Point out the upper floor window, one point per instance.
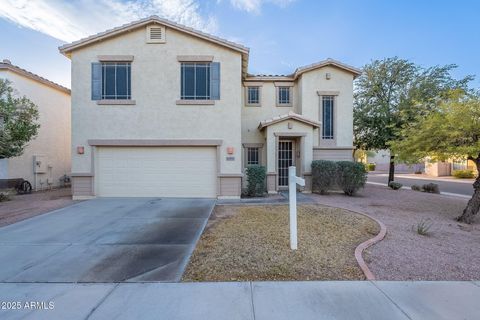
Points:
(111, 81)
(284, 96)
(253, 156)
(327, 117)
(253, 95)
(116, 83)
(195, 83)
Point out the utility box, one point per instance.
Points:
(40, 164)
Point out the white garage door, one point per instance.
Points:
(156, 172)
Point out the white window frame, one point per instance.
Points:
(128, 96)
(207, 85)
(284, 86)
(328, 142)
(332, 123)
(247, 147)
(253, 151)
(247, 96)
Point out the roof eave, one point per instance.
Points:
(329, 62)
(34, 77)
(66, 49)
(261, 126)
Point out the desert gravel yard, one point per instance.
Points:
(450, 252)
(252, 243)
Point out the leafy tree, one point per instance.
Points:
(18, 121)
(452, 131)
(394, 92)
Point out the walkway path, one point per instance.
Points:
(247, 300)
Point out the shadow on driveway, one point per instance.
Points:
(105, 240)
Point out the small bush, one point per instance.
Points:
(423, 227)
(351, 176)
(324, 175)
(256, 180)
(395, 185)
(416, 188)
(463, 174)
(431, 188)
(4, 196)
(371, 166)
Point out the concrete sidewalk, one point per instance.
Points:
(244, 300)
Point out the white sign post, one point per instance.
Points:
(293, 180)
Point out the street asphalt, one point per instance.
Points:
(450, 185)
(105, 240)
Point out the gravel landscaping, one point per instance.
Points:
(251, 242)
(450, 252)
(22, 207)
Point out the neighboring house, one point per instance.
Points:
(160, 109)
(447, 168)
(381, 158)
(46, 159)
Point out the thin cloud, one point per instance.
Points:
(73, 20)
(255, 6)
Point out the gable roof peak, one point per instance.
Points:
(290, 115)
(327, 62)
(66, 49)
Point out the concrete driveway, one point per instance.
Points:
(105, 240)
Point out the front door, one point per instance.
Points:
(285, 159)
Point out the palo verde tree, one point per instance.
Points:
(452, 131)
(394, 92)
(18, 121)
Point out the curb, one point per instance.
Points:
(448, 194)
(364, 245)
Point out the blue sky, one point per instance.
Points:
(281, 34)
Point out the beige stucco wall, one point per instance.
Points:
(341, 81)
(306, 144)
(379, 157)
(156, 88)
(53, 140)
(438, 169)
(251, 116)
(306, 102)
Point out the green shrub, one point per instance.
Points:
(371, 166)
(4, 196)
(256, 180)
(351, 176)
(324, 176)
(423, 227)
(416, 188)
(395, 185)
(463, 174)
(431, 188)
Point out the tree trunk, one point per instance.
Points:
(391, 171)
(473, 205)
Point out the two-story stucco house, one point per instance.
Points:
(160, 109)
(46, 159)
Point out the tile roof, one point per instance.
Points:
(290, 115)
(66, 48)
(7, 65)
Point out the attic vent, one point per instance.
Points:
(156, 34)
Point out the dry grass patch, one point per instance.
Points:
(252, 243)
